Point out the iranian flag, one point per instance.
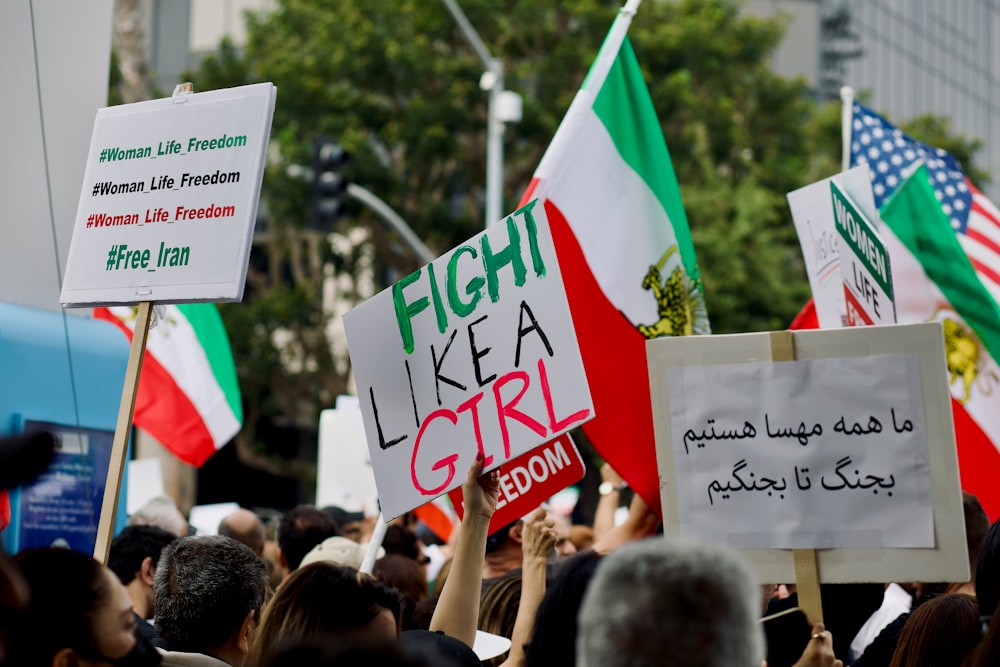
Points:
(624, 248)
(934, 280)
(188, 397)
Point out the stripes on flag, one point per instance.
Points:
(892, 155)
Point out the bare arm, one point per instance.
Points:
(458, 609)
(539, 541)
(641, 522)
(607, 504)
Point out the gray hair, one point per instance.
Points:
(204, 588)
(161, 512)
(666, 601)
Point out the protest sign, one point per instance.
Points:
(864, 264)
(344, 475)
(169, 199)
(847, 450)
(531, 479)
(812, 212)
(474, 353)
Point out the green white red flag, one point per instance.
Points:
(188, 396)
(624, 248)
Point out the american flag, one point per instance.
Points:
(892, 155)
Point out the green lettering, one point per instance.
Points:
(473, 288)
(493, 262)
(442, 317)
(405, 311)
(537, 263)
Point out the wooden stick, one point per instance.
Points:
(806, 566)
(123, 429)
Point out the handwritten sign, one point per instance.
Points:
(531, 479)
(169, 199)
(848, 450)
(864, 264)
(475, 352)
(812, 213)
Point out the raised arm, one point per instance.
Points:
(539, 537)
(458, 609)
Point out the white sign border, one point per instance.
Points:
(948, 561)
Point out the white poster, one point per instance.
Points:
(473, 353)
(814, 454)
(848, 450)
(812, 212)
(169, 199)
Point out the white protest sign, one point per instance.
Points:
(812, 213)
(169, 199)
(476, 352)
(864, 264)
(344, 469)
(848, 450)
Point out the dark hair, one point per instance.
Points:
(321, 599)
(498, 609)
(133, 545)
(402, 541)
(203, 590)
(337, 652)
(553, 637)
(67, 588)
(300, 530)
(976, 525)
(402, 573)
(941, 632)
(988, 570)
(987, 654)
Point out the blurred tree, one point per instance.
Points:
(398, 87)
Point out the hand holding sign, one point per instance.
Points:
(480, 491)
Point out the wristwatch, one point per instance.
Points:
(607, 488)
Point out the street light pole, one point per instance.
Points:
(503, 106)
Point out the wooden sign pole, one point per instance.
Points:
(806, 566)
(123, 429)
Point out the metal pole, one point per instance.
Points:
(393, 219)
(495, 126)
(494, 149)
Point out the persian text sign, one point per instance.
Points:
(864, 264)
(475, 352)
(169, 199)
(818, 453)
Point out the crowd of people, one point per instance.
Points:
(537, 592)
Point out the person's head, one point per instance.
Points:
(321, 599)
(339, 551)
(133, 557)
(988, 570)
(404, 574)
(553, 637)
(403, 541)
(84, 610)
(300, 530)
(564, 543)
(941, 632)
(161, 512)
(349, 524)
(245, 527)
(498, 609)
(695, 602)
(208, 592)
(976, 525)
(504, 552)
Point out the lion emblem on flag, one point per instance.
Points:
(679, 302)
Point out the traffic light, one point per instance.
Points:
(329, 185)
